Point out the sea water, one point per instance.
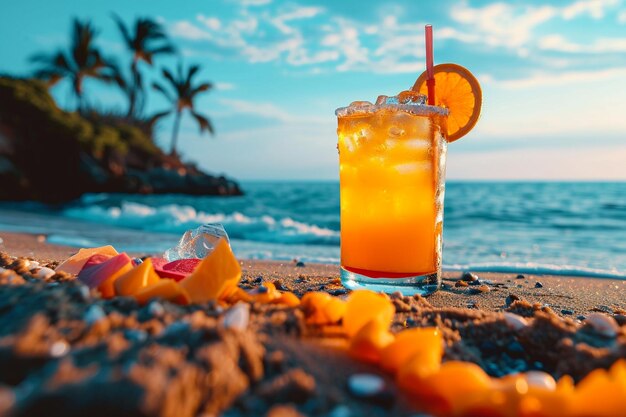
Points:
(538, 227)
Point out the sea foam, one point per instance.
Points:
(173, 218)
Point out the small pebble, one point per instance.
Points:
(84, 292)
(581, 317)
(178, 326)
(41, 238)
(258, 280)
(237, 317)
(520, 276)
(620, 319)
(135, 335)
(340, 291)
(602, 324)
(460, 284)
(44, 273)
(137, 261)
(365, 385)
(510, 299)
(94, 314)
(156, 309)
(538, 284)
(59, 348)
(468, 276)
(540, 379)
(514, 321)
(32, 265)
(340, 411)
(484, 288)
(567, 312)
(300, 264)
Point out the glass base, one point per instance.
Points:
(421, 284)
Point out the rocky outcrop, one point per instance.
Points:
(53, 156)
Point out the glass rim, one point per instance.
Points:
(415, 109)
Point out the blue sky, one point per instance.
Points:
(553, 76)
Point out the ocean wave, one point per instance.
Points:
(174, 218)
(538, 269)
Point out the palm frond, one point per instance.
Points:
(157, 116)
(123, 30)
(161, 89)
(202, 87)
(169, 77)
(203, 122)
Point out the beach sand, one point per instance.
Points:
(574, 295)
(152, 360)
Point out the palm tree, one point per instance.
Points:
(184, 93)
(82, 60)
(146, 40)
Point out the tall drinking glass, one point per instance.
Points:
(392, 159)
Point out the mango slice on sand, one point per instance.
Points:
(408, 343)
(414, 372)
(234, 295)
(219, 271)
(176, 270)
(322, 308)
(601, 393)
(166, 289)
(455, 380)
(103, 275)
(75, 263)
(363, 306)
(370, 340)
(289, 299)
(137, 278)
(266, 293)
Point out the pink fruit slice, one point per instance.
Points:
(96, 260)
(176, 270)
(103, 275)
(75, 263)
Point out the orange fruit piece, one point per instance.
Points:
(137, 278)
(370, 340)
(322, 308)
(454, 383)
(601, 393)
(235, 294)
(363, 306)
(269, 295)
(289, 299)
(218, 272)
(407, 344)
(166, 289)
(457, 90)
(75, 263)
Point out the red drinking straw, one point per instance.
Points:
(430, 72)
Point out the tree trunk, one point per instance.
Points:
(175, 132)
(132, 96)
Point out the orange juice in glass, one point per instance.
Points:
(392, 159)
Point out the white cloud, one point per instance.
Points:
(187, 30)
(223, 86)
(594, 8)
(599, 46)
(502, 24)
(254, 2)
(561, 78)
(266, 110)
(621, 17)
(212, 23)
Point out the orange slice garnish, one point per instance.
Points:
(457, 90)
